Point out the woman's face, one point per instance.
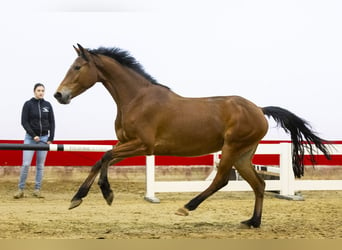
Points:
(39, 92)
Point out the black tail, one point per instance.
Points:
(302, 137)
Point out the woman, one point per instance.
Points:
(38, 120)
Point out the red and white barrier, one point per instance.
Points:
(287, 185)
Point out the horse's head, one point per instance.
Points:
(81, 76)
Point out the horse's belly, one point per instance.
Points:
(188, 146)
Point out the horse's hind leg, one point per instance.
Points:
(246, 169)
(85, 187)
(221, 179)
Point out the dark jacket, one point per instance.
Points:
(38, 119)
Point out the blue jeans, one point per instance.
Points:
(27, 159)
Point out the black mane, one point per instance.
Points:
(126, 59)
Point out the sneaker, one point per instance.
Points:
(37, 193)
(19, 194)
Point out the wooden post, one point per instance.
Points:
(287, 178)
(150, 180)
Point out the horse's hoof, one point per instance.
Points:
(182, 211)
(75, 203)
(109, 199)
(248, 224)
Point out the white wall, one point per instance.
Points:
(279, 53)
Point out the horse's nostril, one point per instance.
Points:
(58, 95)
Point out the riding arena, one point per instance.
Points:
(182, 168)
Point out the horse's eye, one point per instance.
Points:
(77, 67)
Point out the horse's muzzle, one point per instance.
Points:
(63, 99)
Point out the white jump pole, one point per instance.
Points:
(57, 147)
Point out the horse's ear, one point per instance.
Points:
(82, 52)
(77, 50)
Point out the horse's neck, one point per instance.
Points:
(121, 82)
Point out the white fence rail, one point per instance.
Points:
(287, 184)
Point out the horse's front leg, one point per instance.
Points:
(107, 192)
(85, 187)
(120, 152)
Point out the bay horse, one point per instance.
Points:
(153, 120)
